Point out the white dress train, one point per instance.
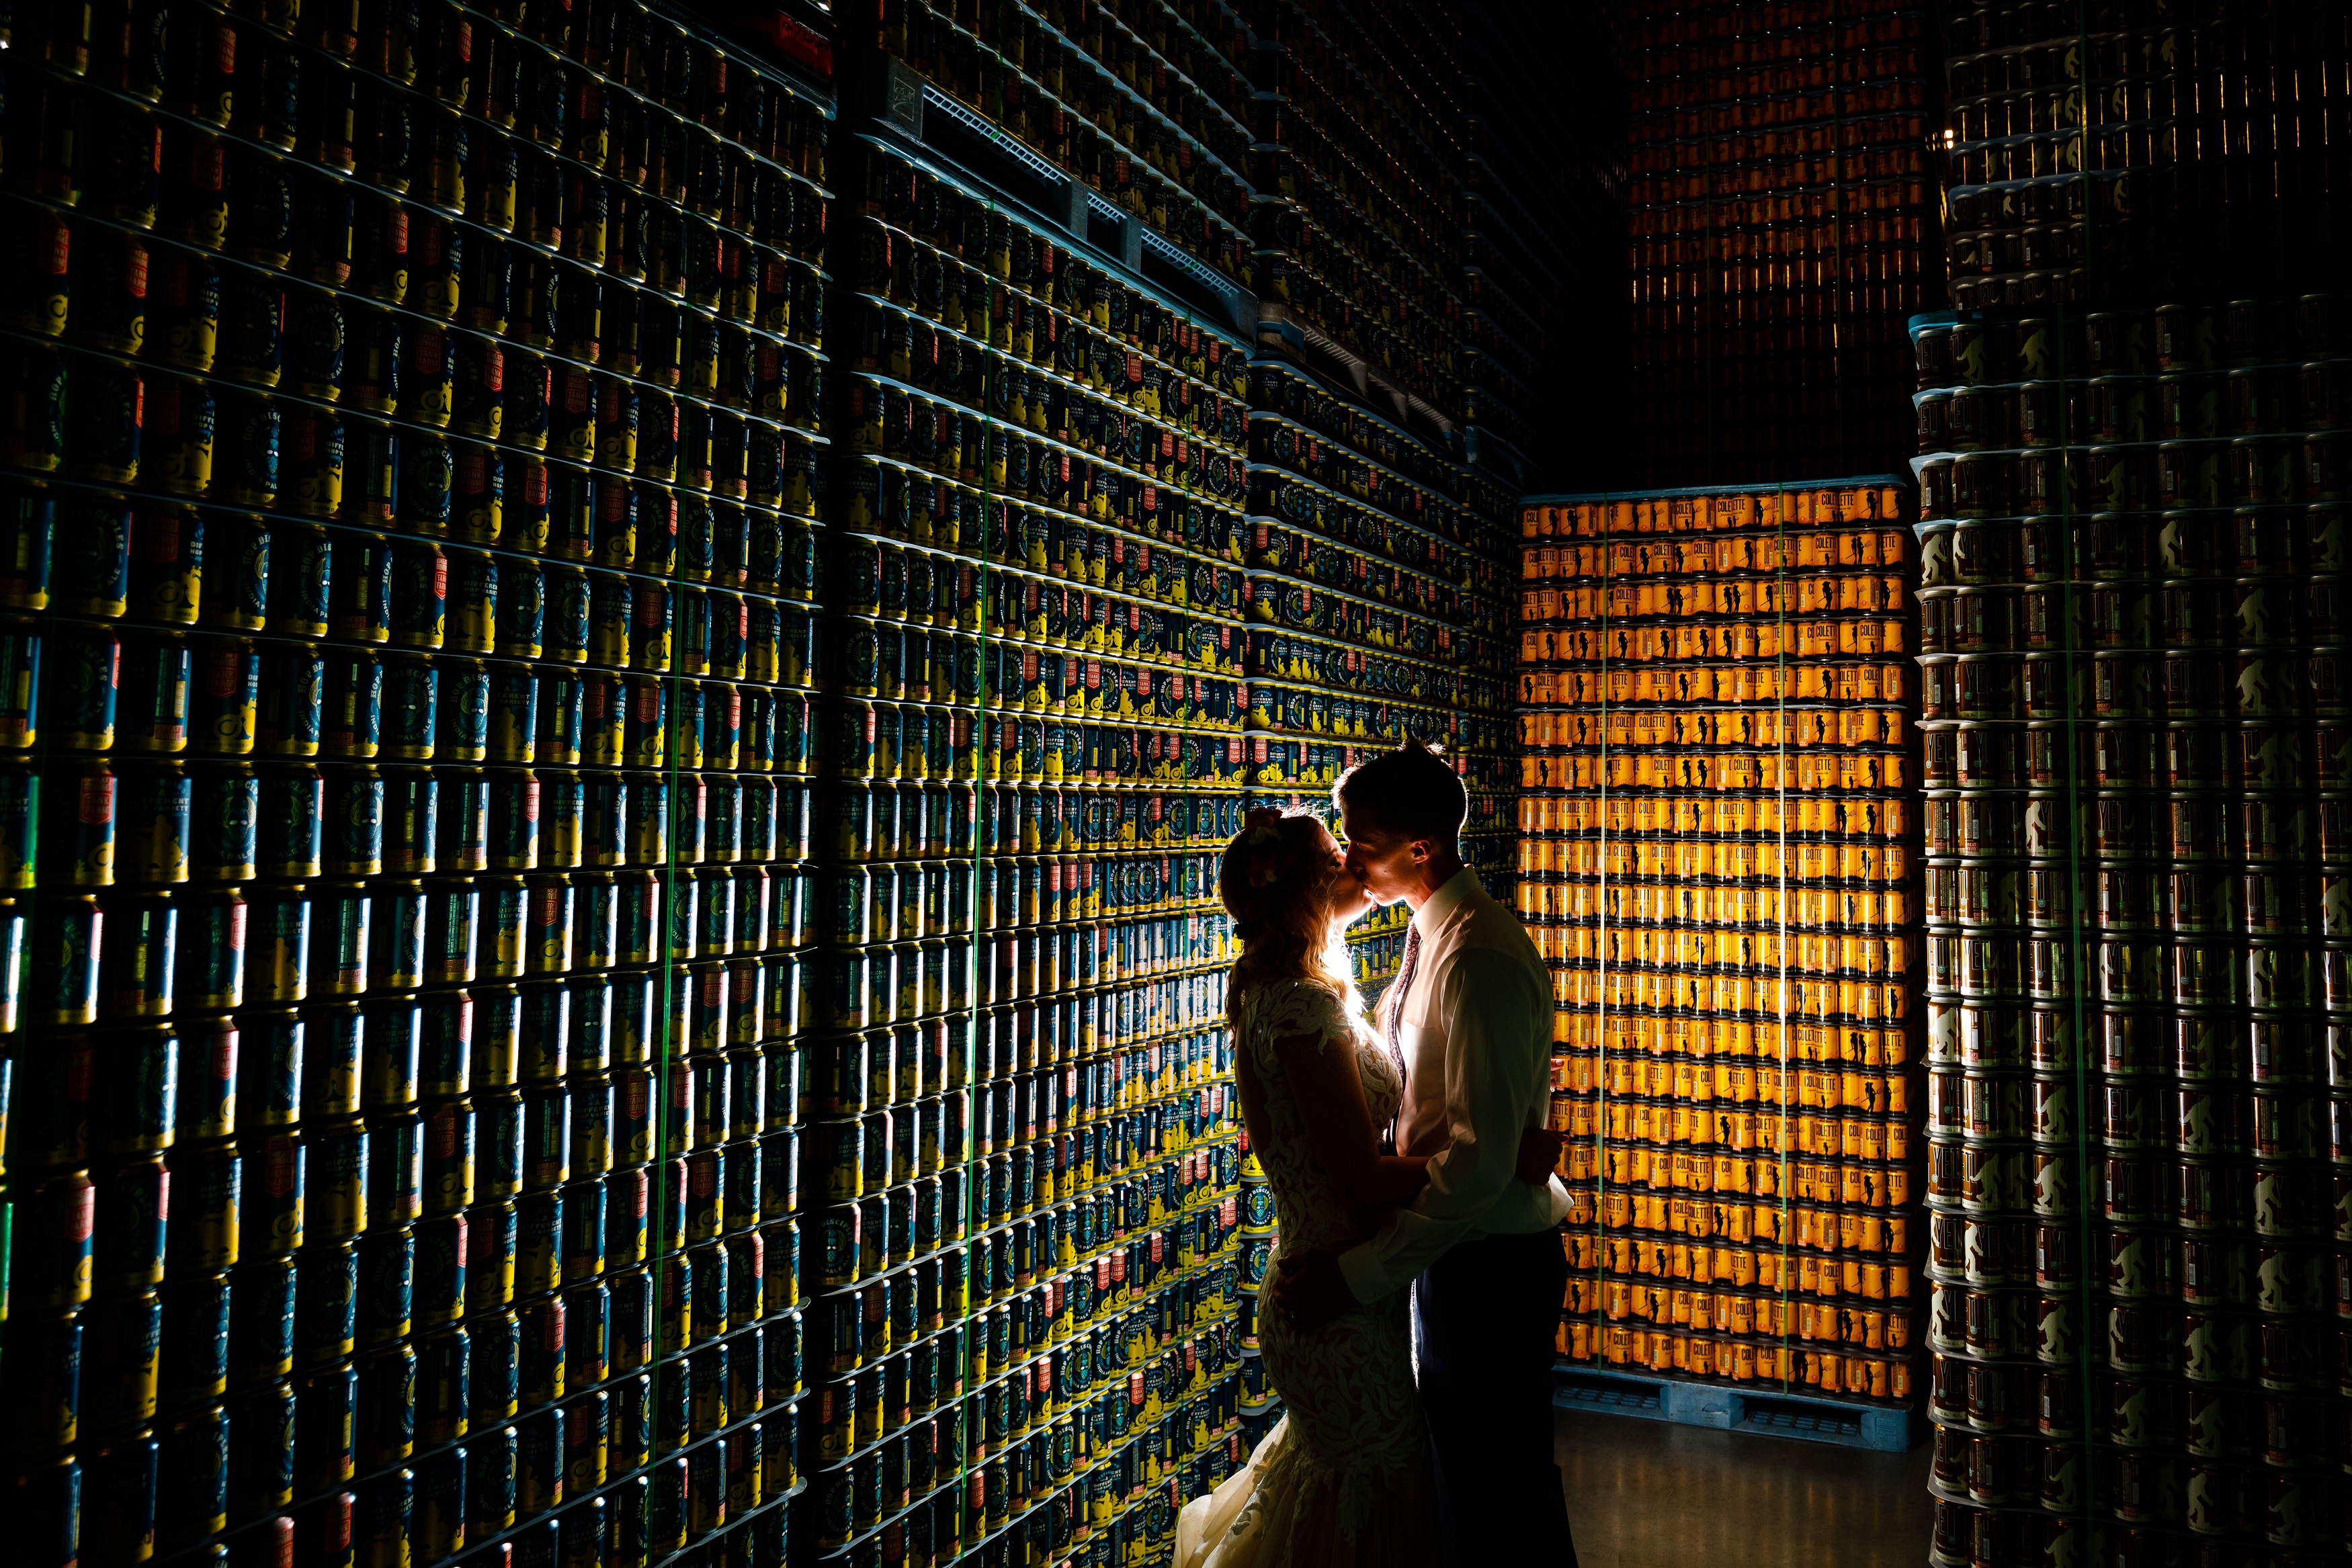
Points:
(1343, 1478)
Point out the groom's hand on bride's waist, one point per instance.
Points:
(1309, 1291)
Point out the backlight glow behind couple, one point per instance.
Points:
(1409, 1320)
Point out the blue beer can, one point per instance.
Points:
(140, 942)
(20, 686)
(395, 1176)
(223, 819)
(571, 618)
(290, 827)
(193, 1357)
(151, 837)
(237, 587)
(341, 919)
(210, 964)
(91, 557)
(202, 1233)
(445, 1052)
(132, 1210)
(563, 818)
(246, 444)
(120, 1370)
(452, 913)
(464, 717)
(519, 612)
(271, 1211)
(355, 809)
(512, 731)
(442, 1258)
(359, 597)
(396, 937)
(387, 1285)
(334, 1045)
(292, 708)
(392, 1049)
(208, 1051)
(86, 670)
(337, 1162)
(387, 1427)
(351, 706)
(503, 901)
(277, 954)
(193, 1466)
(66, 942)
(499, 1144)
(471, 606)
(301, 582)
(27, 524)
(411, 823)
(411, 694)
(514, 820)
(224, 697)
(151, 707)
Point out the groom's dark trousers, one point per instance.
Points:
(1489, 1315)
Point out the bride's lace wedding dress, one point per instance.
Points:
(1344, 1477)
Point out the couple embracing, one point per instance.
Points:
(1411, 1177)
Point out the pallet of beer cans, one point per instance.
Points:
(1357, 233)
(411, 417)
(1717, 818)
(1148, 108)
(1782, 225)
(2138, 744)
(1027, 1299)
(2137, 154)
(1543, 176)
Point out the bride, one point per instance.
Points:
(1345, 1478)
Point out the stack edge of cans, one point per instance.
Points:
(1717, 861)
(1028, 1232)
(2138, 766)
(409, 435)
(1780, 228)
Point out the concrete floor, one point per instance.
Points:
(1649, 1494)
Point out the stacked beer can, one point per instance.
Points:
(410, 420)
(1782, 225)
(1026, 1286)
(1717, 813)
(2134, 713)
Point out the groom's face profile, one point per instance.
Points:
(1382, 860)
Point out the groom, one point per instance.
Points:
(1469, 1019)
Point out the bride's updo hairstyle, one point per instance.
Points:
(1276, 881)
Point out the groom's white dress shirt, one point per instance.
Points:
(1476, 1036)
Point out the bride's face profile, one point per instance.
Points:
(1346, 897)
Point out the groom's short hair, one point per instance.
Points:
(1411, 790)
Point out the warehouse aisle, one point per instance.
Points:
(1647, 1494)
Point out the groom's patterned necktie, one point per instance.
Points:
(1396, 1022)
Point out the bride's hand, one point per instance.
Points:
(1538, 1155)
